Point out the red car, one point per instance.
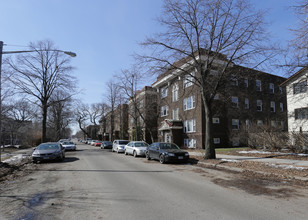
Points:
(97, 143)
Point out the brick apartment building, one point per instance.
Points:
(142, 115)
(253, 98)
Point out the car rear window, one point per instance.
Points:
(141, 145)
(48, 146)
(123, 142)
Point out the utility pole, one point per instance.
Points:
(1, 49)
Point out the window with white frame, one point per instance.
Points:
(233, 80)
(234, 102)
(271, 88)
(282, 124)
(164, 111)
(273, 123)
(258, 85)
(164, 92)
(273, 108)
(280, 89)
(190, 126)
(281, 106)
(235, 124)
(189, 103)
(259, 105)
(246, 103)
(215, 120)
(175, 114)
(216, 140)
(190, 143)
(188, 80)
(246, 82)
(175, 92)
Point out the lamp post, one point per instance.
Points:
(72, 54)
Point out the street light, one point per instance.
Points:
(72, 54)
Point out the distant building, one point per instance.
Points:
(143, 115)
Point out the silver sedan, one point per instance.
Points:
(136, 148)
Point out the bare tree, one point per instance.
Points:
(113, 98)
(61, 115)
(89, 115)
(40, 73)
(205, 36)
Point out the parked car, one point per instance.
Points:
(118, 145)
(97, 143)
(88, 140)
(166, 152)
(69, 145)
(62, 140)
(92, 142)
(48, 151)
(136, 148)
(106, 145)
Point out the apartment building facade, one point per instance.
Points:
(142, 115)
(251, 98)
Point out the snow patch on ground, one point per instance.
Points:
(268, 152)
(15, 159)
(229, 160)
(286, 166)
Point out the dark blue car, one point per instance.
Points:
(166, 152)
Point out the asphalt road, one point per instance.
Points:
(97, 184)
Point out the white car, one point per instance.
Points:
(118, 145)
(69, 145)
(136, 148)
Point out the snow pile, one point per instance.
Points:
(268, 152)
(286, 166)
(15, 159)
(228, 160)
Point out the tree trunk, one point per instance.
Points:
(208, 137)
(44, 122)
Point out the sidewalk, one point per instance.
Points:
(296, 163)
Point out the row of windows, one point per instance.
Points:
(189, 79)
(234, 82)
(235, 104)
(273, 123)
(188, 103)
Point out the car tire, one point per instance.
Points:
(162, 159)
(147, 156)
(34, 161)
(135, 153)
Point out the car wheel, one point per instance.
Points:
(147, 156)
(34, 161)
(162, 159)
(135, 153)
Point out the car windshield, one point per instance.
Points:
(68, 143)
(141, 144)
(107, 142)
(123, 142)
(48, 147)
(168, 146)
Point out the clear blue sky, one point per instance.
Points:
(103, 33)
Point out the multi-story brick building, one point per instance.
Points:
(142, 115)
(251, 98)
(118, 122)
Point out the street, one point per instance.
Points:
(97, 184)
